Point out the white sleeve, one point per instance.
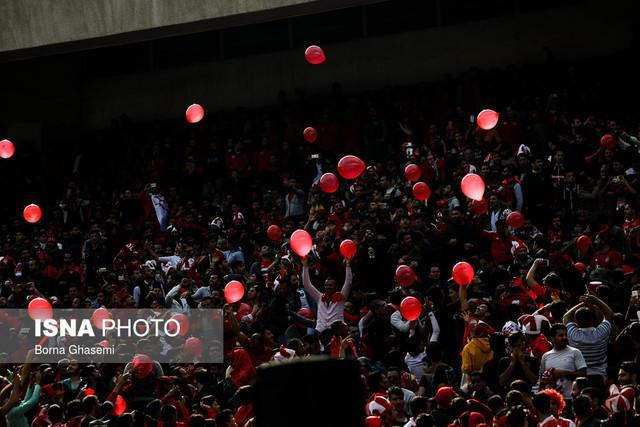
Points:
(398, 322)
(435, 328)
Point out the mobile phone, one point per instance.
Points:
(315, 156)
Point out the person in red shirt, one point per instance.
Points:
(501, 243)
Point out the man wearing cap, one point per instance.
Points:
(442, 415)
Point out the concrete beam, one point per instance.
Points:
(30, 28)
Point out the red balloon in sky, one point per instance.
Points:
(583, 243)
(462, 273)
(6, 149)
(479, 207)
(487, 119)
(183, 322)
(412, 172)
(515, 219)
(193, 346)
(310, 134)
(301, 243)
(405, 276)
(99, 316)
(472, 186)
(234, 291)
(329, 183)
(195, 113)
(274, 232)
(608, 141)
(314, 55)
(421, 191)
(40, 308)
(410, 308)
(348, 248)
(350, 167)
(32, 213)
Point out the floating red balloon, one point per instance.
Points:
(244, 310)
(410, 308)
(462, 273)
(350, 167)
(40, 308)
(487, 119)
(515, 219)
(89, 392)
(99, 316)
(608, 141)
(421, 191)
(583, 243)
(479, 207)
(274, 233)
(142, 365)
(119, 406)
(412, 172)
(182, 326)
(6, 149)
(234, 291)
(193, 346)
(348, 248)
(314, 55)
(32, 213)
(473, 186)
(195, 113)
(405, 276)
(310, 134)
(581, 267)
(301, 243)
(329, 183)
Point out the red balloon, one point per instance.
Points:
(350, 167)
(348, 248)
(89, 392)
(234, 291)
(472, 186)
(405, 276)
(515, 219)
(487, 119)
(99, 316)
(581, 267)
(421, 191)
(32, 213)
(479, 207)
(195, 113)
(274, 233)
(104, 343)
(410, 308)
(373, 421)
(314, 55)
(183, 324)
(462, 273)
(301, 243)
(244, 309)
(120, 405)
(40, 308)
(310, 134)
(583, 243)
(329, 183)
(608, 141)
(142, 365)
(193, 346)
(6, 149)
(412, 172)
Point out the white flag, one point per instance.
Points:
(162, 210)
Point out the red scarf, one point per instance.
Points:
(334, 298)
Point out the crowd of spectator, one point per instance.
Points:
(545, 334)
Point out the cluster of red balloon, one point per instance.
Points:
(301, 243)
(142, 366)
(314, 55)
(329, 183)
(348, 248)
(233, 291)
(183, 324)
(194, 113)
(351, 167)
(99, 316)
(479, 207)
(274, 233)
(421, 191)
(583, 243)
(608, 141)
(410, 308)
(7, 149)
(39, 309)
(412, 172)
(515, 219)
(193, 346)
(310, 134)
(32, 213)
(405, 276)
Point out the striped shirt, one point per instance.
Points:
(592, 343)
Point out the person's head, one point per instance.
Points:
(405, 239)
(55, 414)
(628, 374)
(478, 380)
(330, 286)
(514, 398)
(584, 317)
(434, 272)
(559, 336)
(396, 397)
(90, 404)
(168, 414)
(517, 417)
(225, 419)
(579, 384)
(595, 395)
(419, 405)
(444, 397)
(378, 382)
(582, 407)
(542, 404)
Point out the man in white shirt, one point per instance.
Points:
(562, 364)
(330, 303)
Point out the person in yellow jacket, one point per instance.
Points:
(477, 352)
